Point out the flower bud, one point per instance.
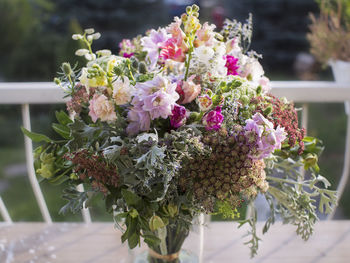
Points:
(90, 56)
(268, 110)
(104, 52)
(188, 9)
(66, 68)
(89, 31)
(77, 36)
(90, 38)
(142, 68)
(81, 52)
(57, 81)
(195, 8)
(96, 36)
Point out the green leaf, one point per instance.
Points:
(36, 137)
(131, 198)
(133, 240)
(63, 118)
(151, 240)
(57, 180)
(62, 130)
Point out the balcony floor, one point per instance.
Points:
(99, 242)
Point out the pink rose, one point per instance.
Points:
(101, 107)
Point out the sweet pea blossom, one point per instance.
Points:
(204, 102)
(122, 91)
(152, 43)
(100, 107)
(267, 138)
(179, 116)
(213, 119)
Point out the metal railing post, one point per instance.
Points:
(30, 168)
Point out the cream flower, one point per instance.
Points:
(101, 107)
(122, 91)
(204, 54)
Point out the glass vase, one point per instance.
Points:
(169, 250)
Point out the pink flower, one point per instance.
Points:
(213, 119)
(190, 90)
(179, 116)
(175, 30)
(264, 82)
(231, 65)
(101, 107)
(204, 102)
(171, 51)
(205, 35)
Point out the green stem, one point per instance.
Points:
(131, 75)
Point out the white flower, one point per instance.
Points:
(90, 38)
(104, 52)
(95, 36)
(77, 36)
(89, 31)
(81, 52)
(204, 54)
(89, 56)
(122, 91)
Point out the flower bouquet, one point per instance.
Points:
(180, 123)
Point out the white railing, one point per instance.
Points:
(47, 93)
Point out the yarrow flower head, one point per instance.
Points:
(213, 119)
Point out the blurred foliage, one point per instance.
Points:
(38, 32)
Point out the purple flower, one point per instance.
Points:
(179, 116)
(139, 119)
(267, 138)
(152, 44)
(159, 97)
(213, 119)
(231, 65)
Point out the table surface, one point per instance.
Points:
(100, 242)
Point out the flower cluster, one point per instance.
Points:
(178, 123)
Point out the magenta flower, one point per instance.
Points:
(213, 119)
(179, 116)
(127, 48)
(231, 65)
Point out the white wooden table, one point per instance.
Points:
(99, 242)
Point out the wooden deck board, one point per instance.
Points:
(100, 243)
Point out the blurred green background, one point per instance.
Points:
(36, 39)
